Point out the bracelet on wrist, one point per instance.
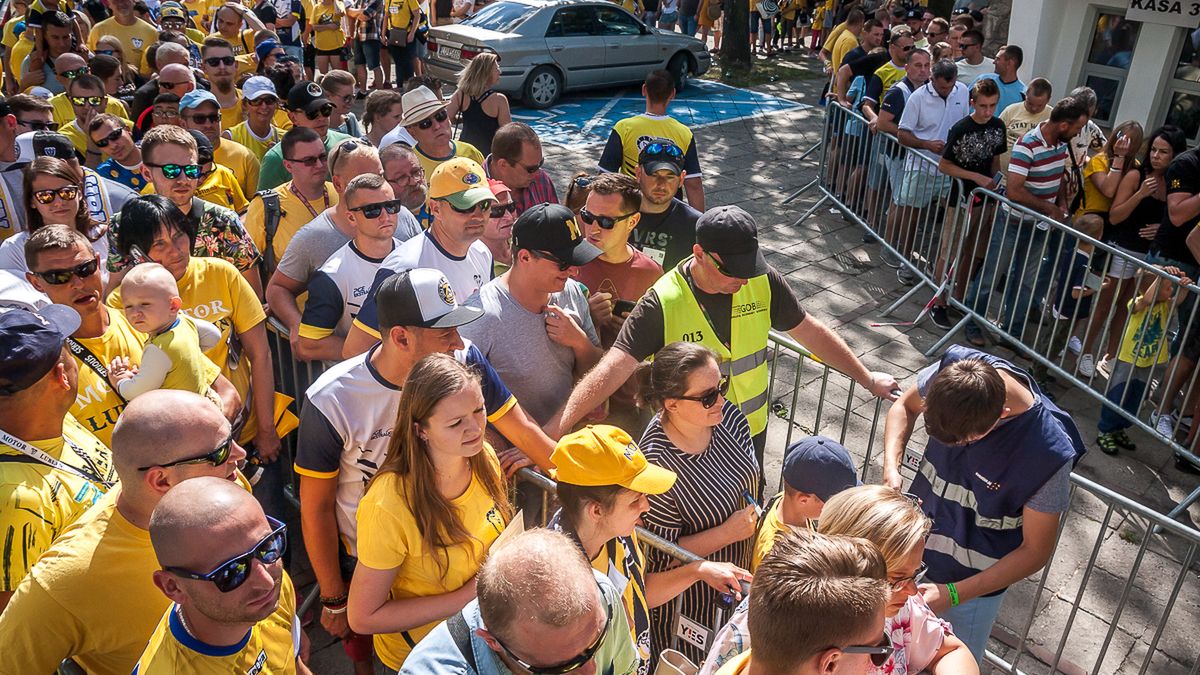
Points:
(335, 610)
(334, 600)
(953, 594)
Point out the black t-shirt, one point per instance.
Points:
(667, 237)
(1183, 177)
(973, 146)
(266, 13)
(642, 334)
(1125, 233)
(689, 7)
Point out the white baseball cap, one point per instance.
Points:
(422, 298)
(258, 86)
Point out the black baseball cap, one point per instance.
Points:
(306, 96)
(204, 148)
(552, 228)
(31, 344)
(914, 14)
(820, 466)
(731, 233)
(666, 155)
(53, 144)
(421, 298)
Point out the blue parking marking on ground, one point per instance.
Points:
(577, 122)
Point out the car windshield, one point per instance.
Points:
(502, 17)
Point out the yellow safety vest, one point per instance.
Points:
(745, 360)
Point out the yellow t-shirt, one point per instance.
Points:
(845, 42)
(1144, 341)
(190, 370)
(220, 188)
(77, 135)
(8, 35)
(231, 116)
(99, 569)
(834, 34)
(97, 405)
(461, 149)
(20, 52)
(889, 74)
(242, 44)
(1094, 200)
(389, 539)
(134, 39)
(64, 114)
(622, 561)
(213, 289)
(259, 146)
(243, 163)
(295, 215)
(401, 13)
(631, 129)
(37, 503)
(330, 13)
(269, 648)
(201, 11)
(281, 119)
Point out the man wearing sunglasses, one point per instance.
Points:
(166, 54)
(461, 203)
(307, 107)
(64, 113)
(796, 631)
(219, 65)
(541, 609)
(725, 282)
(135, 35)
(200, 111)
(973, 63)
(426, 120)
(516, 161)
(337, 290)
(666, 230)
(234, 606)
(34, 113)
(54, 469)
(258, 131)
(87, 98)
(536, 313)
(626, 140)
(124, 164)
(103, 568)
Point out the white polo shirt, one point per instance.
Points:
(929, 117)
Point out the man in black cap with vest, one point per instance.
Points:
(727, 298)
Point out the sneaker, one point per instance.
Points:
(1104, 367)
(1086, 365)
(941, 317)
(1108, 444)
(974, 335)
(1164, 424)
(906, 276)
(1122, 440)
(1074, 345)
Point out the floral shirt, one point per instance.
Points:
(916, 632)
(219, 234)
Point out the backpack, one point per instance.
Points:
(272, 214)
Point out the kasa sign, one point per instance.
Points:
(1183, 13)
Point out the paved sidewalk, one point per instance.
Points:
(752, 162)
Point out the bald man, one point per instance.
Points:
(167, 53)
(91, 597)
(69, 66)
(234, 606)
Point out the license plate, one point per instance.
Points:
(450, 53)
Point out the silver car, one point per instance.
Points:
(547, 47)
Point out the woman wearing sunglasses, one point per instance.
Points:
(919, 641)
(430, 515)
(603, 483)
(705, 440)
(52, 197)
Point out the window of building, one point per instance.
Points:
(1183, 109)
(1109, 55)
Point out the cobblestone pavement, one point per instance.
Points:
(753, 163)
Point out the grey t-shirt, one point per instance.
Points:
(539, 371)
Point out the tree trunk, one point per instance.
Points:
(995, 26)
(735, 40)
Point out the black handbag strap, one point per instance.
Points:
(461, 634)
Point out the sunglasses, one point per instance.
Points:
(485, 205)
(720, 267)
(65, 193)
(262, 100)
(499, 210)
(277, 55)
(60, 277)
(39, 126)
(312, 161)
(93, 101)
(72, 74)
(709, 398)
(573, 664)
(438, 117)
(233, 572)
(110, 138)
(908, 49)
(916, 579)
(373, 211)
(324, 111)
(172, 171)
(106, 52)
(216, 457)
(583, 182)
(605, 222)
(668, 149)
(532, 169)
(965, 45)
(880, 653)
(211, 118)
(171, 85)
(563, 266)
(214, 61)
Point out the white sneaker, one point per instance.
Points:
(1165, 425)
(1104, 367)
(1074, 345)
(1086, 366)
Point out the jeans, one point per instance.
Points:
(973, 621)
(402, 59)
(1028, 254)
(688, 24)
(1125, 389)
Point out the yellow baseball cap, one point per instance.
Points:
(461, 182)
(605, 455)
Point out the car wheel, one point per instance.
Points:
(543, 88)
(680, 70)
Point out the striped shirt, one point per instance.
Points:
(539, 191)
(1041, 163)
(707, 492)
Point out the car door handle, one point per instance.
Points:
(558, 48)
(614, 46)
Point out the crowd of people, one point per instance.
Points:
(468, 325)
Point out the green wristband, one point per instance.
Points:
(953, 594)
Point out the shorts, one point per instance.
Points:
(880, 167)
(918, 188)
(1120, 268)
(310, 56)
(668, 17)
(767, 24)
(366, 52)
(337, 53)
(854, 144)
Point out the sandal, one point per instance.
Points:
(1122, 440)
(1108, 444)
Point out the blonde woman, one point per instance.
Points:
(430, 515)
(897, 526)
(481, 109)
